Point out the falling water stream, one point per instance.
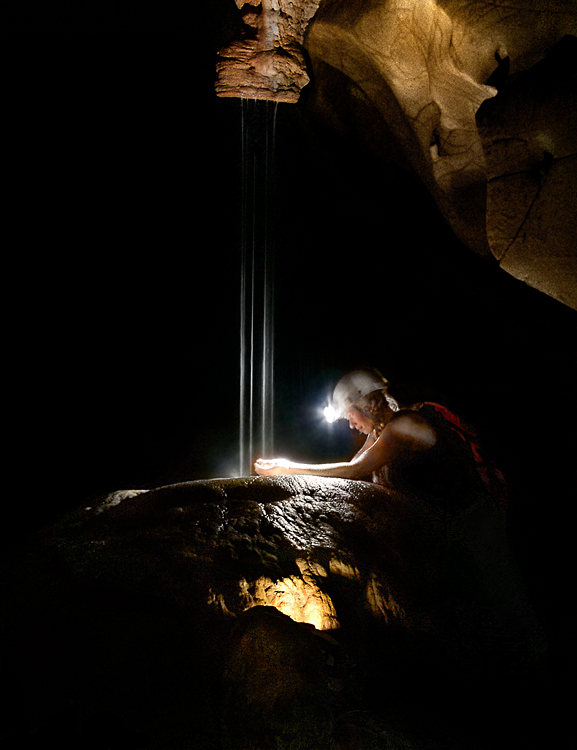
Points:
(256, 434)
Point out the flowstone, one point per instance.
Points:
(262, 610)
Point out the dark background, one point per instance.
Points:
(121, 276)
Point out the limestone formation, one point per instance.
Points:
(417, 75)
(530, 143)
(268, 62)
(245, 613)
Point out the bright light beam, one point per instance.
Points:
(330, 413)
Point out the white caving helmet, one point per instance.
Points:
(350, 388)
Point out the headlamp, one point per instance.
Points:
(331, 414)
(350, 388)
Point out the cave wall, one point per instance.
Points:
(418, 77)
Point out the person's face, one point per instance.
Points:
(358, 421)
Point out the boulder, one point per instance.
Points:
(265, 612)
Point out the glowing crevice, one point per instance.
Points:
(299, 597)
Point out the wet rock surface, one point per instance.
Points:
(268, 612)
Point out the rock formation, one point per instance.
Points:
(268, 62)
(477, 98)
(272, 613)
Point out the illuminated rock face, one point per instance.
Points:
(416, 75)
(291, 554)
(268, 63)
(261, 608)
(530, 143)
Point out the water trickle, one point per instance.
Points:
(256, 433)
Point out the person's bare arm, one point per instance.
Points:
(408, 435)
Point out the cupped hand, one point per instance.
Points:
(271, 466)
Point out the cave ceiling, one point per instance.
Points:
(478, 100)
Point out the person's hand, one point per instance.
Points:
(271, 466)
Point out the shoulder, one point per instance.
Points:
(412, 427)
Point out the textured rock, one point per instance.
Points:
(530, 144)
(278, 682)
(268, 63)
(237, 551)
(232, 612)
(415, 75)
(406, 49)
